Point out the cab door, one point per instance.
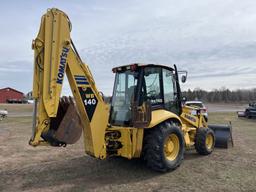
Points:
(171, 102)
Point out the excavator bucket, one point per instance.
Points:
(66, 127)
(223, 135)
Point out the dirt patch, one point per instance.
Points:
(17, 110)
(4, 134)
(25, 168)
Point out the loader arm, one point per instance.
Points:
(55, 57)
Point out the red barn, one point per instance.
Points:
(10, 95)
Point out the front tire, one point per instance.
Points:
(163, 147)
(204, 141)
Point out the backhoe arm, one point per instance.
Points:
(57, 121)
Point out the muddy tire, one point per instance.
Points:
(204, 141)
(163, 147)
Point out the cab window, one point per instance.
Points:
(152, 85)
(169, 87)
(123, 96)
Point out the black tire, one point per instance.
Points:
(200, 141)
(247, 114)
(153, 147)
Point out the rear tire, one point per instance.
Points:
(163, 147)
(247, 114)
(204, 141)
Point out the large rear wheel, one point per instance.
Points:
(163, 147)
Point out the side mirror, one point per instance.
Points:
(183, 78)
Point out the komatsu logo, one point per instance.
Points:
(63, 61)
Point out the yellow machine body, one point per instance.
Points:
(56, 56)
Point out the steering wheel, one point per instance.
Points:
(152, 94)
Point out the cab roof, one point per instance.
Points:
(133, 66)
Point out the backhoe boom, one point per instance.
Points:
(55, 56)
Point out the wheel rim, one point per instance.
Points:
(209, 141)
(171, 147)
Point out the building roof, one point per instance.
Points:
(11, 89)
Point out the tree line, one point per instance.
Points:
(221, 95)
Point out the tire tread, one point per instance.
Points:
(153, 147)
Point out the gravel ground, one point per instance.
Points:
(25, 168)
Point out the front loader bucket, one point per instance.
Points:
(66, 127)
(223, 135)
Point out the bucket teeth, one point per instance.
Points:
(66, 127)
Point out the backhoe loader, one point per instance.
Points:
(144, 120)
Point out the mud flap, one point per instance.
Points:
(66, 127)
(223, 135)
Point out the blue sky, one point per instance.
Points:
(214, 40)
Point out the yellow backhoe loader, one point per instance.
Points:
(144, 120)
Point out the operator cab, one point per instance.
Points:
(137, 85)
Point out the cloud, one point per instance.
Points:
(15, 66)
(16, 74)
(214, 40)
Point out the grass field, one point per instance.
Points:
(24, 168)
